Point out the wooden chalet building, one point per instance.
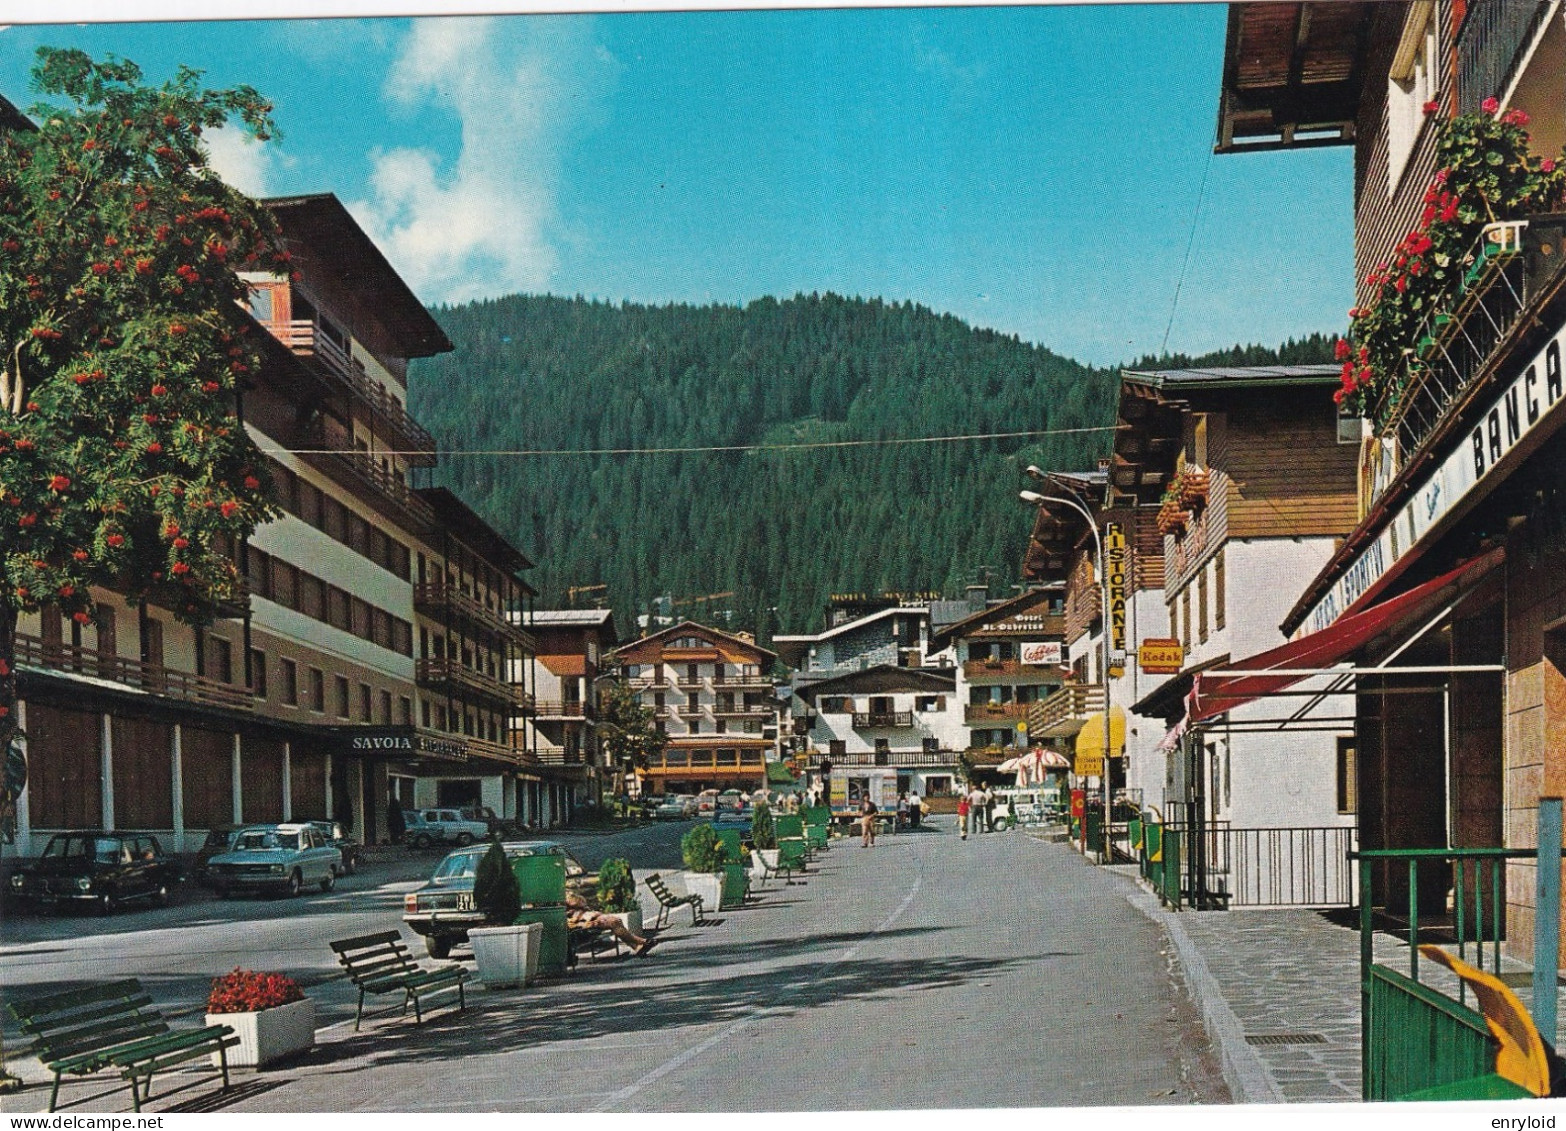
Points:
(572, 646)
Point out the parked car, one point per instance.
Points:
(674, 807)
(101, 869)
(442, 826)
(219, 839)
(338, 838)
(275, 858)
(732, 799)
(706, 802)
(442, 910)
(507, 828)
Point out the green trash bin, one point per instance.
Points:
(730, 839)
(541, 878)
(554, 943)
(735, 884)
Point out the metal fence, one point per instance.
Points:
(1219, 866)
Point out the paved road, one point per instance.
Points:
(926, 972)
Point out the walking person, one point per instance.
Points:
(962, 816)
(915, 810)
(902, 811)
(989, 809)
(976, 808)
(867, 812)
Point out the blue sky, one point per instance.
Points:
(1035, 170)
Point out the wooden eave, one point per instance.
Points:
(1293, 73)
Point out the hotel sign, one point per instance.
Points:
(1115, 583)
(405, 741)
(1512, 415)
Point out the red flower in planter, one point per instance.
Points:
(245, 991)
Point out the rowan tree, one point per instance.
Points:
(124, 462)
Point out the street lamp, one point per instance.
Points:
(1033, 498)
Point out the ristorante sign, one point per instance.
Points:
(1519, 408)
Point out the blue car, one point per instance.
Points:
(275, 858)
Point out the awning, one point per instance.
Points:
(1090, 739)
(1213, 693)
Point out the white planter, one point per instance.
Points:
(708, 885)
(506, 956)
(268, 1035)
(632, 919)
(770, 855)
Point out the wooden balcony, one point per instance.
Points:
(741, 711)
(305, 339)
(706, 760)
(436, 599)
(882, 720)
(564, 709)
(455, 676)
(154, 678)
(647, 682)
(899, 759)
(1066, 711)
(990, 714)
(362, 473)
(989, 673)
(755, 682)
(686, 683)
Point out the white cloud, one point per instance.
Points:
(245, 163)
(486, 223)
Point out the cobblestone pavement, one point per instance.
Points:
(1293, 976)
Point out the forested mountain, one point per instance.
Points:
(779, 529)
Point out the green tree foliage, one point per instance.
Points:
(701, 849)
(626, 727)
(123, 461)
(496, 892)
(763, 832)
(616, 889)
(781, 530)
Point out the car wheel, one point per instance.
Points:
(295, 882)
(329, 881)
(422, 840)
(463, 840)
(161, 896)
(222, 891)
(351, 865)
(439, 946)
(105, 904)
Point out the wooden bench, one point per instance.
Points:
(380, 964)
(668, 901)
(113, 1026)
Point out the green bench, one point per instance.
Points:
(793, 848)
(114, 1027)
(380, 964)
(668, 901)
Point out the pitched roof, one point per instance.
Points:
(882, 678)
(1234, 377)
(998, 611)
(690, 626)
(568, 616)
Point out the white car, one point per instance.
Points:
(425, 827)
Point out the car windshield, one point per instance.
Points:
(266, 840)
(458, 866)
(105, 850)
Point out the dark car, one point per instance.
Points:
(504, 827)
(338, 838)
(219, 840)
(442, 910)
(100, 869)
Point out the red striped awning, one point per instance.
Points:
(1213, 693)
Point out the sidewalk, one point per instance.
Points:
(1279, 992)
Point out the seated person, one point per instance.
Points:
(580, 916)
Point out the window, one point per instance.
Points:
(931, 745)
(340, 683)
(1411, 82)
(310, 503)
(405, 710)
(290, 673)
(1348, 786)
(837, 747)
(386, 707)
(317, 689)
(693, 726)
(926, 703)
(1185, 616)
(836, 705)
(1201, 605)
(222, 659)
(151, 640)
(312, 596)
(365, 703)
(258, 673)
(692, 701)
(106, 640)
(1218, 610)
(721, 726)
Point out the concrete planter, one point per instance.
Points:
(632, 919)
(268, 1034)
(506, 956)
(708, 885)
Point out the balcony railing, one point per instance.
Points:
(741, 711)
(1489, 46)
(562, 709)
(989, 672)
(154, 678)
(306, 340)
(899, 759)
(873, 720)
(706, 759)
(689, 683)
(442, 672)
(1066, 711)
(978, 714)
(332, 454)
(644, 682)
(435, 597)
(756, 682)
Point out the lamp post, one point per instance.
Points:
(1033, 498)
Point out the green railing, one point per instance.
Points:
(1413, 1037)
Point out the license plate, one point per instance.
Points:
(465, 901)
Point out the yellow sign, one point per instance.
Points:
(1115, 582)
(1161, 655)
(1088, 766)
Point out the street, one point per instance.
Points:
(926, 972)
